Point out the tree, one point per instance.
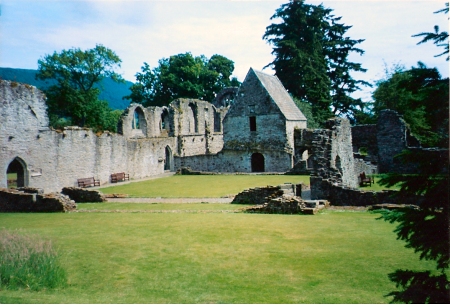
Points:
(182, 76)
(424, 229)
(420, 95)
(440, 38)
(74, 97)
(311, 58)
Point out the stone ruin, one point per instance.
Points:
(282, 199)
(254, 128)
(33, 200)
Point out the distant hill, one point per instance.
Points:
(110, 91)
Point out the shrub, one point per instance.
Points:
(28, 262)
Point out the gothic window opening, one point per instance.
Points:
(168, 159)
(135, 124)
(164, 125)
(194, 113)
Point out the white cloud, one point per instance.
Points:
(146, 31)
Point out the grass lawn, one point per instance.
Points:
(154, 207)
(377, 187)
(200, 186)
(185, 257)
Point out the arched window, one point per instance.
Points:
(135, 124)
(195, 118)
(257, 163)
(164, 125)
(16, 173)
(139, 123)
(168, 159)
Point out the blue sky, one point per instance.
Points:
(146, 31)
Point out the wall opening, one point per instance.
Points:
(139, 122)
(257, 163)
(217, 122)
(164, 123)
(337, 163)
(168, 159)
(195, 118)
(252, 121)
(16, 174)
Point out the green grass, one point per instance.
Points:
(131, 207)
(12, 180)
(28, 262)
(376, 186)
(332, 257)
(200, 186)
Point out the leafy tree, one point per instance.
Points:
(77, 73)
(424, 229)
(305, 108)
(440, 38)
(311, 58)
(421, 96)
(182, 76)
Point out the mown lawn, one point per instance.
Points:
(201, 185)
(376, 186)
(154, 207)
(185, 257)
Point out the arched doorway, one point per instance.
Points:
(16, 174)
(257, 163)
(168, 159)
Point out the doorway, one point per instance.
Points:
(16, 174)
(257, 163)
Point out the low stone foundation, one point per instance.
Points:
(281, 199)
(18, 201)
(259, 195)
(344, 196)
(83, 195)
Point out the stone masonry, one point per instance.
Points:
(254, 128)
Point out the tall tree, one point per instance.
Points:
(182, 75)
(420, 95)
(78, 74)
(440, 38)
(311, 59)
(424, 229)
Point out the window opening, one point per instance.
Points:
(252, 121)
(167, 161)
(135, 124)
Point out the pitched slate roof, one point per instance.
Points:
(280, 96)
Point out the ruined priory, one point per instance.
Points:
(261, 130)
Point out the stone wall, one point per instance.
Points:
(332, 154)
(83, 195)
(230, 161)
(364, 137)
(362, 164)
(149, 139)
(339, 195)
(393, 136)
(260, 195)
(18, 201)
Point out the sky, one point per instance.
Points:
(141, 31)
